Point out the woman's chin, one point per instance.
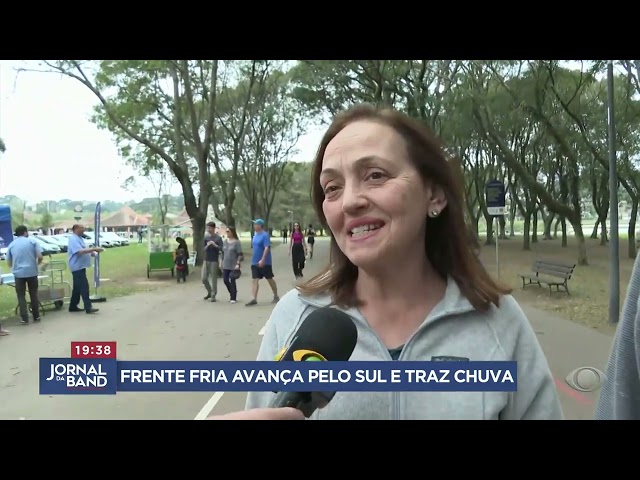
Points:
(365, 260)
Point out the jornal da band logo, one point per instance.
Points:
(79, 376)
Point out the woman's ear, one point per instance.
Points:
(437, 200)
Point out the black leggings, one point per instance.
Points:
(297, 257)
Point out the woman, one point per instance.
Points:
(297, 250)
(181, 244)
(311, 239)
(403, 268)
(231, 261)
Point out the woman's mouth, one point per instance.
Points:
(363, 231)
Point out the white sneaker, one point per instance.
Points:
(232, 301)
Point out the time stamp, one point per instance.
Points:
(93, 350)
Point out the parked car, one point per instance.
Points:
(55, 241)
(103, 241)
(47, 248)
(87, 239)
(63, 239)
(114, 238)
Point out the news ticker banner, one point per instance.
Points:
(103, 374)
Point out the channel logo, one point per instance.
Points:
(61, 376)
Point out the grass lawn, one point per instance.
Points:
(588, 303)
(123, 270)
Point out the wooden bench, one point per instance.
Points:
(549, 272)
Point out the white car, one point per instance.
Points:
(114, 238)
(103, 241)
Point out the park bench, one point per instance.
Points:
(549, 272)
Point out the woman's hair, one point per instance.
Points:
(447, 243)
(232, 233)
(181, 242)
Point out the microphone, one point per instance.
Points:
(325, 335)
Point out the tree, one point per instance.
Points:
(46, 222)
(166, 106)
(156, 173)
(238, 105)
(271, 139)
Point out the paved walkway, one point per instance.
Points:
(568, 346)
(176, 324)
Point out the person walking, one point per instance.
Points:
(181, 265)
(23, 257)
(261, 265)
(297, 250)
(3, 332)
(311, 239)
(79, 260)
(231, 260)
(212, 247)
(182, 244)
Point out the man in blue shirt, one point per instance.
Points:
(261, 266)
(79, 261)
(23, 257)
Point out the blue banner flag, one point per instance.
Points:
(6, 229)
(73, 376)
(96, 229)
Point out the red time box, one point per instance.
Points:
(93, 350)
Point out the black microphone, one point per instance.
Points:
(326, 334)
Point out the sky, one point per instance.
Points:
(55, 152)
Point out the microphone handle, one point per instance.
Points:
(298, 400)
(289, 399)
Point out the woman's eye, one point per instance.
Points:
(330, 189)
(375, 176)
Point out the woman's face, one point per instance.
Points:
(375, 203)
(296, 227)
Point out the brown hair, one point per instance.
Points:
(447, 243)
(233, 232)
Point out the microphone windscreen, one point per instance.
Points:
(327, 331)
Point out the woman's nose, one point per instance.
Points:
(353, 198)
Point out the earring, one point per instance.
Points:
(435, 213)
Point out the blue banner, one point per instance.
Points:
(96, 229)
(252, 376)
(6, 229)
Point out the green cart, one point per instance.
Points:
(160, 250)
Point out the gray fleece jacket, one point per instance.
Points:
(453, 329)
(620, 395)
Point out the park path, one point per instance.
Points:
(176, 324)
(172, 323)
